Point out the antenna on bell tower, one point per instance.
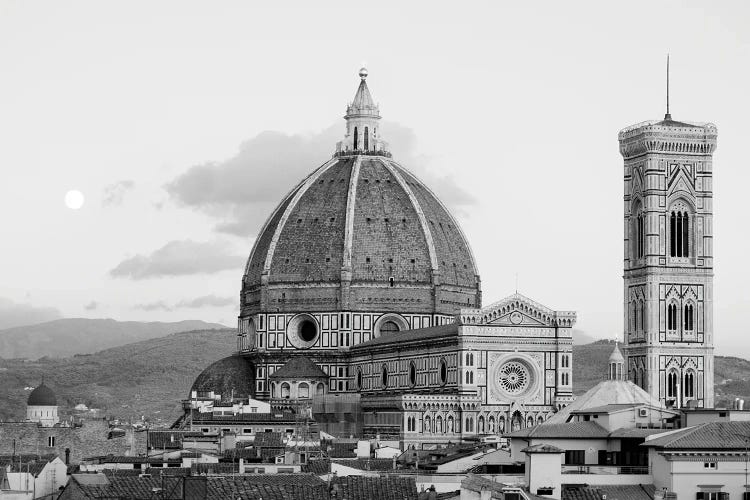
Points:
(667, 116)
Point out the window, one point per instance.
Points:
(356, 139)
(688, 317)
(640, 235)
(443, 372)
(689, 385)
(672, 317)
(575, 457)
(709, 465)
(679, 225)
(367, 139)
(544, 491)
(412, 374)
(303, 390)
(389, 327)
(359, 378)
(384, 376)
(51, 441)
(247, 431)
(641, 321)
(672, 384)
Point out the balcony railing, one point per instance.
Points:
(606, 469)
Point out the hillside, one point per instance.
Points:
(143, 378)
(66, 337)
(731, 375)
(152, 376)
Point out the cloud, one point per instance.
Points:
(91, 306)
(241, 191)
(207, 301)
(14, 314)
(179, 258)
(153, 306)
(114, 193)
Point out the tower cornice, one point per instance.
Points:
(668, 137)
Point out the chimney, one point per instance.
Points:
(741, 404)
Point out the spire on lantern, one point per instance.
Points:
(362, 116)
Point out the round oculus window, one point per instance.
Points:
(514, 377)
(302, 331)
(307, 330)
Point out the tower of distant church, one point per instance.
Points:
(668, 261)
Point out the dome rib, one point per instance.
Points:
(351, 201)
(418, 210)
(311, 179)
(450, 215)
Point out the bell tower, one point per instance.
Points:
(668, 259)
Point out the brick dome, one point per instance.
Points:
(233, 376)
(361, 233)
(42, 396)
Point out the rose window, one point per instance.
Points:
(514, 377)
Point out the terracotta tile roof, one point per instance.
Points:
(382, 488)
(620, 492)
(299, 367)
(711, 436)
(421, 334)
(569, 430)
(247, 487)
(269, 440)
(341, 450)
(636, 433)
(318, 467)
(169, 439)
(374, 464)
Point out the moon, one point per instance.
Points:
(74, 199)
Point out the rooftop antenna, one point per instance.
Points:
(668, 116)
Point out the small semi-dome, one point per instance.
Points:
(42, 396)
(230, 377)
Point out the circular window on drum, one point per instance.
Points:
(514, 377)
(302, 331)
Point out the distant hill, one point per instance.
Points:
(731, 375)
(152, 376)
(66, 337)
(580, 337)
(143, 378)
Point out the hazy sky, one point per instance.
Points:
(183, 123)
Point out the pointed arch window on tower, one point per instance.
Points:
(672, 317)
(641, 320)
(356, 139)
(367, 139)
(640, 235)
(679, 231)
(688, 317)
(689, 384)
(672, 384)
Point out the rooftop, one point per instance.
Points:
(707, 436)
(569, 430)
(299, 367)
(422, 334)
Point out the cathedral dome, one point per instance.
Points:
(361, 232)
(233, 376)
(42, 396)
